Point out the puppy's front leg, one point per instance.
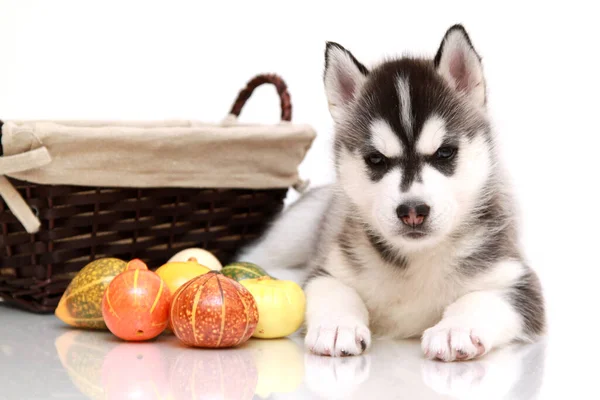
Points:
(471, 326)
(336, 317)
(485, 319)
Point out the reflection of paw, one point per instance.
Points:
(346, 337)
(501, 374)
(447, 342)
(331, 377)
(456, 379)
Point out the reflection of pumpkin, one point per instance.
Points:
(280, 364)
(135, 371)
(281, 305)
(81, 354)
(212, 310)
(213, 374)
(81, 303)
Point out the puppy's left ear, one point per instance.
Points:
(344, 77)
(458, 62)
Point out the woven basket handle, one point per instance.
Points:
(284, 96)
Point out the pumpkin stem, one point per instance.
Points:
(264, 278)
(136, 263)
(193, 259)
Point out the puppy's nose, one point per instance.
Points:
(413, 214)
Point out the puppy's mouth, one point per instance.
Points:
(415, 235)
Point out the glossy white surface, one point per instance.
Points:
(40, 358)
(145, 60)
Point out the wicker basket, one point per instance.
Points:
(81, 223)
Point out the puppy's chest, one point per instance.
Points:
(403, 302)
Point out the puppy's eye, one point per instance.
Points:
(445, 153)
(375, 159)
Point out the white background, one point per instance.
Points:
(149, 60)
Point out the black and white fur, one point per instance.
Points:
(410, 131)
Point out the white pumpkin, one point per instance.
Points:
(202, 257)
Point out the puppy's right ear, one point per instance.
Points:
(344, 76)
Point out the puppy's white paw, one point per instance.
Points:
(344, 337)
(452, 342)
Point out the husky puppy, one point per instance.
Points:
(418, 236)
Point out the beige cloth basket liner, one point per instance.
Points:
(185, 154)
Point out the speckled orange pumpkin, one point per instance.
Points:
(212, 311)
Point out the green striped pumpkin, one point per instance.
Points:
(81, 304)
(243, 270)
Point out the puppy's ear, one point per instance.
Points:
(458, 62)
(344, 76)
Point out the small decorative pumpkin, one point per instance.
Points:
(177, 273)
(81, 304)
(213, 311)
(136, 304)
(243, 270)
(281, 306)
(202, 256)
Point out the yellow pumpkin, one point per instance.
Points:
(175, 274)
(281, 306)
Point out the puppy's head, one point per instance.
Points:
(413, 148)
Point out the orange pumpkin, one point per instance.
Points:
(135, 305)
(212, 311)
